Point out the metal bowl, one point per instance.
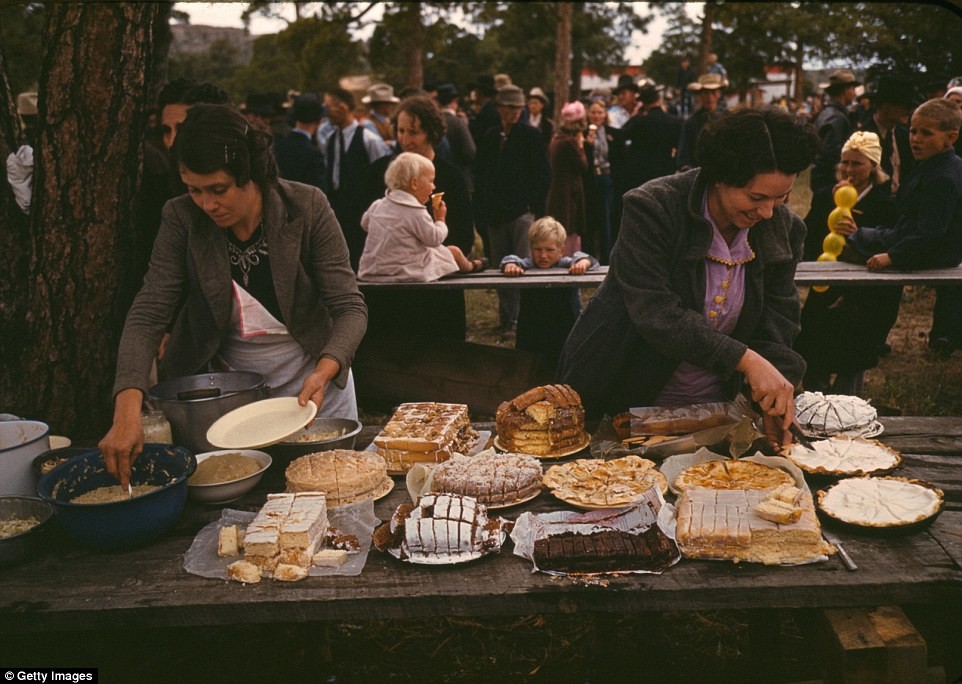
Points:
(19, 547)
(301, 442)
(225, 492)
(127, 523)
(49, 460)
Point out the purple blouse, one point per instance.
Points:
(724, 298)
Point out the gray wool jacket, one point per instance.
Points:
(648, 315)
(189, 283)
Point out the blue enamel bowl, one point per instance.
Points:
(127, 523)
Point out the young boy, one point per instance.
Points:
(546, 315)
(928, 228)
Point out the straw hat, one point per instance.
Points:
(707, 82)
(380, 93)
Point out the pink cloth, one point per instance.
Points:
(403, 244)
(724, 298)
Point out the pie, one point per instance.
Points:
(844, 456)
(596, 483)
(732, 474)
(881, 501)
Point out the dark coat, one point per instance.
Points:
(648, 315)
(689, 136)
(486, 119)
(298, 160)
(906, 160)
(834, 126)
(566, 196)
(189, 284)
(928, 230)
(511, 179)
(650, 144)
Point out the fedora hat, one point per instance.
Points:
(308, 108)
(380, 93)
(27, 104)
(707, 82)
(894, 90)
(538, 94)
(625, 82)
(509, 96)
(840, 79)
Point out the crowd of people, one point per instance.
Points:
(262, 218)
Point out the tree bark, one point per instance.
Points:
(93, 97)
(707, 30)
(415, 52)
(562, 60)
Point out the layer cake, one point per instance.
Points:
(424, 432)
(344, 476)
(544, 421)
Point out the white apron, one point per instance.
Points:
(259, 343)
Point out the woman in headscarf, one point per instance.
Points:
(569, 168)
(843, 329)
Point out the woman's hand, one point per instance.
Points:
(774, 395)
(125, 441)
(846, 226)
(879, 261)
(512, 270)
(315, 383)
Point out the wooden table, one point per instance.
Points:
(807, 273)
(70, 588)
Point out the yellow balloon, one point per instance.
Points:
(825, 256)
(833, 244)
(836, 216)
(846, 196)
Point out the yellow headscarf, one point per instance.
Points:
(866, 143)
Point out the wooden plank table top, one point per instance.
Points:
(70, 588)
(807, 273)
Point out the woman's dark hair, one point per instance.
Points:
(216, 137)
(428, 114)
(736, 146)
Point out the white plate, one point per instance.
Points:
(260, 424)
(448, 560)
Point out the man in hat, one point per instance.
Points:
(512, 182)
(380, 100)
(707, 89)
(892, 103)
(460, 142)
(684, 77)
(487, 112)
(651, 138)
(298, 156)
(537, 101)
(834, 125)
(626, 96)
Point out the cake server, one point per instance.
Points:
(843, 554)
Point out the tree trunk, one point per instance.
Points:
(415, 52)
(93, 97)
(562, 60)
(706, 36)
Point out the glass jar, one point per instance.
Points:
(156, 428)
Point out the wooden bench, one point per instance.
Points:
(807, 273)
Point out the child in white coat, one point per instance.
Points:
(403, 243)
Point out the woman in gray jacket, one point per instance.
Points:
(700, 296)
(248, 272)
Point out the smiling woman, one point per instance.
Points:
(699, 302)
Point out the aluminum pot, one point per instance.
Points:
(20, 442)
(191, 404)
(300, 443)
